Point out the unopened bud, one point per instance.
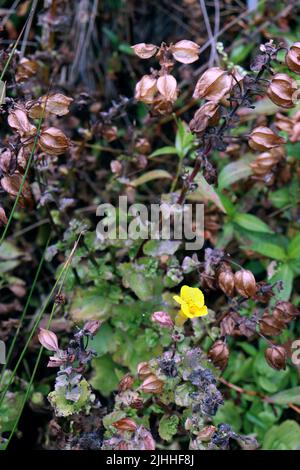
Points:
(163, 319)
(48, 339)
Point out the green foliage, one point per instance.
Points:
(168, 427)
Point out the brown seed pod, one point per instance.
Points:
(266, 161)
(282, 90)
(285, 311)
(145, 89)
(143, 370)
(152, 384)
(284, 123)
(213, 85)
(125, 383)
(185, 51)
(167, 87)
(3, 218)
(18, 120)
(276, 357)
(48, 339)
(143, 145)
(125, 424)
(292, 58)
(245, 283)
(263, 138)
(144, 51)
(206, 115)
(219, 354)
(53, 141)
(26, 68)
(269, 325)
(56, 103)
(226, 282)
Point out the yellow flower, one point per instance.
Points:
(191, 300)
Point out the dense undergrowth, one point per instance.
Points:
(134, 343)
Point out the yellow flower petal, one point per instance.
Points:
(198, 296)
(201, 312)
(185, 293)
(178, 299)
(185, 310)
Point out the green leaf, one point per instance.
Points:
(145, 286)
(286, 275)
(103, 342)
(291, 395)
(241, 52)
(168, 427)
(229, 413)
(105, 378)
(294, 248)
(206, 192)
(10, 257)
(163, 151)
(150, 176)
(251, 222)
(90, 304)
(265, 245)
(280, 198)
(233, 172)
(9, 410)
(161, 247)
(64, 407)
(227, 204)
(286, 436)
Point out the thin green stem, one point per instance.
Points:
(11, 348)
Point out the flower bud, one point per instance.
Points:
(263, 138)
(125, 383)
(282, 90)
(48, 339)
(143, 370)
(270, 326)
(219, 354)
(276, 357)
(125, 424)
(226, 282)
(92, 326)
(285, 311)
(145, 89)
(206, 115)
(167, 87)
(185, 51)
(152, 384)
(213, 85)
(144, 51)
(53, 141)
(245, 283)
(292, 58)
(163, 319)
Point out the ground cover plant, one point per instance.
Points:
(133, 342)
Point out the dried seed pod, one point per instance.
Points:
(219, 354)
(266, 161)
(143, 370)
(292, 58)
(185, 51)
(263, 138)
(53, 141)
(226, 282)
(213, 85)
(295, 136)
(276, 357)
(285, 311)
(125, 424)
(48, 339)
(228, 324)
(245, 283)
(125, 383)
(206, 433)
(145, 89)
(161, 106)
(110, 133)
(26, 68)
(284, 123)
(152, 384)
(5, 160)
(11, 184)
(144, 51)
(270, 325)
(162, 319)
(167, 87)
(18, 120)
(282, 90)
(206, 115)
(56, 103)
